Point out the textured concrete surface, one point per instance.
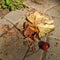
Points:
(11, 46)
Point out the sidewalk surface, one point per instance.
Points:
(11, 45)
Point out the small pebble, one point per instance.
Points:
(56, 44)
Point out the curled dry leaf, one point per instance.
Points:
(44, 24)
(12, 32)
(7, 31)
(4, 28)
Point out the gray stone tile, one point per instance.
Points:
(12, 49)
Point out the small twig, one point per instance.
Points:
(26, 53)
(44, 55)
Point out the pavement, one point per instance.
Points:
(11, 45)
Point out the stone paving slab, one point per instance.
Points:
(12, 48)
